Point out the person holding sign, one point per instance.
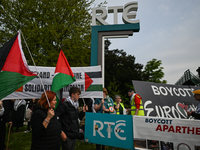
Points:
(104, 105)
(69, 114)
(196, 114)
(136, 103)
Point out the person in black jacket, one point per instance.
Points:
(69, 115)
(18, 113)
(46, 129)
(5, 118)
(31, 105)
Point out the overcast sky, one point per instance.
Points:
(169, 31)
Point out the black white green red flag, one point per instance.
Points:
(63, 75)
(14, 68)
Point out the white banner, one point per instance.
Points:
(88, 79)
(166, 133)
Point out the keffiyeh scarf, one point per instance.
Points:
(74, 103)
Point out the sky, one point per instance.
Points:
(169, 31)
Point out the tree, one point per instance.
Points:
(120, 70)
(153, 72)
(49, 26)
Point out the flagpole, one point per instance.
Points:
(83, 101)
(36, 69)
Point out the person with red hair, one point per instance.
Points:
(46, 129)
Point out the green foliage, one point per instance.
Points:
(153, 72)
(102, 4)
(113, 88)
(49, 26)
(120, 70)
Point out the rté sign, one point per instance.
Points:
(129, 12)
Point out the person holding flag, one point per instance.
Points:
(46, 129)
(69, 114)
(68, 110)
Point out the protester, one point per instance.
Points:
(34, 104)
(46, 129)
(5, 118)
(69, 114)
(119, 106)
(104, 105)
(196, 114)
(1, 108)
(29, 112)
(18, 113)
(1, 113)
(90, 105)
(136, 103)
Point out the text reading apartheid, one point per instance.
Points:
(178, 129)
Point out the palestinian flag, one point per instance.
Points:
(63, 75)
(14, 68)
(89, 80)
(93, 81)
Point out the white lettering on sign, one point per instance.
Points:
(165, 111)
(129, 12)
(172, 91)
(122, 131)
(110, 126)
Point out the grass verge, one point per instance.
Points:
(22, 141)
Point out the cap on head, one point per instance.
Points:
(196, 92)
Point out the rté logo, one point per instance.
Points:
(110, 127)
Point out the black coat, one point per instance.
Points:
(8, 108)
(45, 138)
(18, 116)
(69, 115)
